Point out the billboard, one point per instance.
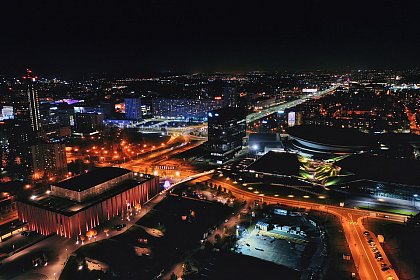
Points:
(291, 118)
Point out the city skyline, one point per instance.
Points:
(195, 140)
(161, 36)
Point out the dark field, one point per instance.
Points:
(179, 236)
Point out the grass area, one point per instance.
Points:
(71, 271)
(227, 265)
(192, 153)
(401, 246)
(390, 210)
(322, 197)
(338, 180)
(180, 236)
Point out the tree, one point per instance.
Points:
(187, 267)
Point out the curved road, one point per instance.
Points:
(351, 219)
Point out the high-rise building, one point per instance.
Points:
(133, 109)
(16, 136)
(230, 97)
(226, 129)
(49, 159)
(88, 122)
(33, 102)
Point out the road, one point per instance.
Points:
(368, 266)
(162, 158)
(351, 219)
(6, 218)
(281, 107)
(57, 249)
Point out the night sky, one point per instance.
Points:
(73, 37)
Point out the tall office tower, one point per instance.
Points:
(230, 96)
(33, 101)
(49, 159)
(133, 110)
(16, 155)
(227, 127)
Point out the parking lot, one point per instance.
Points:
(279, 251)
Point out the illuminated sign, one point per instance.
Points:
(291, 118)
(309, 90)
(166, 184)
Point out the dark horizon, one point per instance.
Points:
(159, 36)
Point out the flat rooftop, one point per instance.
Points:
(277, 163)
(88, 180)
(383, 169)
(328, 135)
(227, 113)
(69, 207)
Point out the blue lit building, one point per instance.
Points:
(133, 109)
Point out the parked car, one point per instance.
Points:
(120, 226)
(28, 233)
(385, 268)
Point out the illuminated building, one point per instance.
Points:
(184, 108)
(88, 122)
(76, 205)
(49, 159)
(33, 101)
(226, 129)
(133, 109)
(6, 113)
(264, 142)
(16, 137)
(324, 140)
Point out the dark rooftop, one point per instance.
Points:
(91, 179)
(379, 168)
(264, 137)
(227, 113)
(332, 135)
(277, 163)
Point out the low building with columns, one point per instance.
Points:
(78, 204)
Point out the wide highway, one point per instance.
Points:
(283, 106)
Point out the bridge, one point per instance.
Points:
(160, 123)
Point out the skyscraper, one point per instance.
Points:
(133, 110)
(227, 127)
(33, 101)
(49, 159)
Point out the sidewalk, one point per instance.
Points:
(60, 248)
